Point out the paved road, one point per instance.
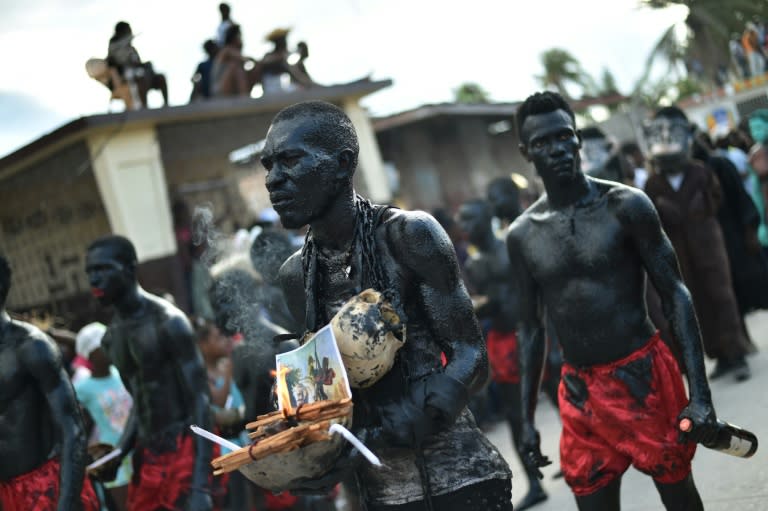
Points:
(726, 483)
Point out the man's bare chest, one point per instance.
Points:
(13, 380)
(136, 345)
(572, 246)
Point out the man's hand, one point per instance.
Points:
(199, 500)
(433, 403)
(702, 414)
(531, 450)
(323, 485)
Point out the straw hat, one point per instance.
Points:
(276, 34)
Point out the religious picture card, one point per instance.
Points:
(313, 372)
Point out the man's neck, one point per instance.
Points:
(335, 229)
(130, 303)
(561, 195)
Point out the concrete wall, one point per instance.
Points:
(49, 213)
(446, 160)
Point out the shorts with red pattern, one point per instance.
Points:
(38, 490)
(502, 356)
(164, 480)
(621, 414)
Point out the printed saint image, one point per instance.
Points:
(313, 372)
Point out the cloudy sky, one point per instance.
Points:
(428, 47)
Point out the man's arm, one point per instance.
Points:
(183, 351)
(290, 277)
(532, 345)
(658, 256)
(445, 302)
(41, 358)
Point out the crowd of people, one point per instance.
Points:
(749, 50)
(551, 287)
(225, 72)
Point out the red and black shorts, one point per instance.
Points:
(38, 490)
(502, 356)
(164, 481)
(621, 414)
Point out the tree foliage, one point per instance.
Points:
(470, 92)
(710, 25)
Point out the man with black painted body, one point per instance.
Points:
(488, 271)
(437, 457)
(153, 346)
(582, 251)
(42, 436)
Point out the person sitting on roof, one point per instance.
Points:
(276, 63)
(126, 66)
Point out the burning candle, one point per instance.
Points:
(284, 397)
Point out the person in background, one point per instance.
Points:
(226, 21)
(229, 76)
(688, 196)
(107, 403)
(227, 403)
(201, 80)
(636, 159)
(42, 437)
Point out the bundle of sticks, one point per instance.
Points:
(284, 430)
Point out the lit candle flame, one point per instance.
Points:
(284, 397)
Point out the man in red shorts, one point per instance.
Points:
(153, 346)
(582, 251)
(488, 271)
(42, 438)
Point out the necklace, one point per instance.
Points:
(335, 260)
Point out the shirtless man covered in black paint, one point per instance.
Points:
(489, 272)
(582, 251)
(438, 459)
(42, 437)
(153, 346)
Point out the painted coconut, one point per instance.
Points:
(368, 332)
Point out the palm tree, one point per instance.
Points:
(710, 24)
(562, 69)
(470, 92)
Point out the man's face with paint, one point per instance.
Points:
(302, 178)
(669, 141)
(108, 277)
(474, 219)
(550, 141)
(758, 129)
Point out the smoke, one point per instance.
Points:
(242, 301)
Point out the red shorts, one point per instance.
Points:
(502, 356)
(163, 481)
(38, 490)
(621, 414)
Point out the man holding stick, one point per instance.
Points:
(42, 437)
(582, 251)
(437, 457)
(153, 346)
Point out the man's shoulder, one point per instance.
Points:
(31, 342)
(396, 223)
(166, 313)
(291, 267)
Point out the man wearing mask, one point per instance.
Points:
(687, 195)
